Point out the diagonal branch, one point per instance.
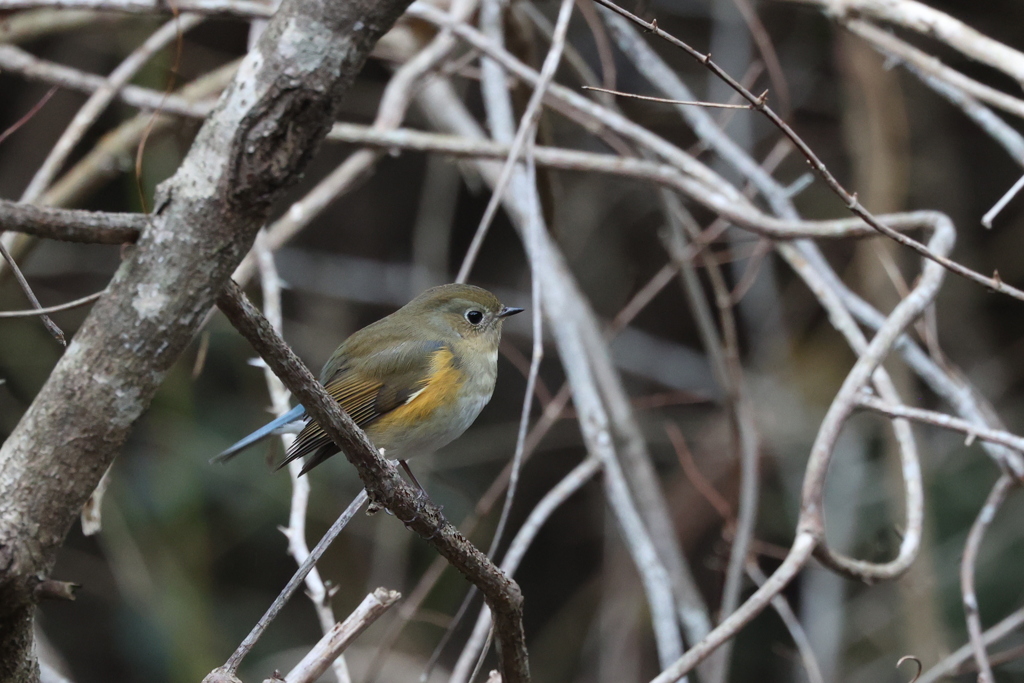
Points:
(385, 485)
(51, 326)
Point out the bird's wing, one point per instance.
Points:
(368, 388)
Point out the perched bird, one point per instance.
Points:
(414, 381)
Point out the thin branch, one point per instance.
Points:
(694, 475)
(740, 212)
(71, 225)
(967, 568)
(100, 99)
(335, 641)
(796, 630)
(85, 300)
(971, 429)
(524, 136)
(50, 326)
(13, 128)
(648, 98)
(231, 665)
(950, 664)
(990, 215)
(245, 9)
(16, 60)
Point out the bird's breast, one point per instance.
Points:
(459, 385)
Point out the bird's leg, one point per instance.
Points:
(405, 466)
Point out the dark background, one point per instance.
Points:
(190, 556)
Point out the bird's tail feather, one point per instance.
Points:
(260, 434)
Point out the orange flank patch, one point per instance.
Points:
(441, 390)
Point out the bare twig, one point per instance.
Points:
(699, 481)
(13, 128)
(524, 137)
(950, 664)
(648, 98)
(334, 642)
(50, 326)
(231, 665)
(796, 630)
(16, 60)
(971, 429)
(247, 9)
(71, 225)
(100, 99)
(84, 301)
(967, 568)
(990, 215)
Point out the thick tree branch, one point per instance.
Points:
(259, 138)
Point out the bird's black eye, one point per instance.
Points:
(474, 317)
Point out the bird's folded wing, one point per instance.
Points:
(368, 388)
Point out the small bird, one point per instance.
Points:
(414, 380)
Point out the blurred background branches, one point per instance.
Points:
(712, 409)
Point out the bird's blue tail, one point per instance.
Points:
(260, 434)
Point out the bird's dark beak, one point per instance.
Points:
(506, 311)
